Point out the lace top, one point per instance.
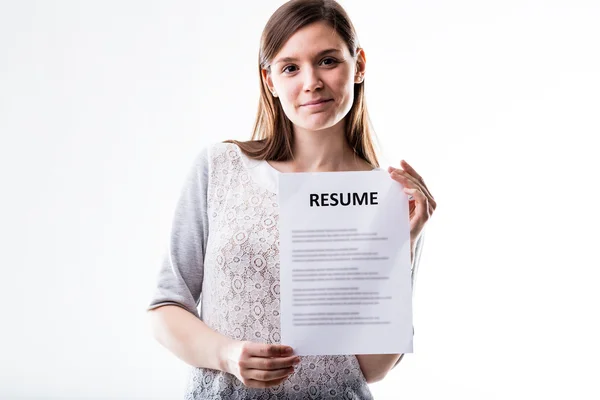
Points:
(224, 245)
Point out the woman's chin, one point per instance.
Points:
(316, 124)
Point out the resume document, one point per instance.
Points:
(345, 263)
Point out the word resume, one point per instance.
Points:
(345, 265)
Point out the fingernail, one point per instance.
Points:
(296, 361)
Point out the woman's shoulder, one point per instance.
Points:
(215, 151)
(220, 161)
(219, 148)
(225, 155)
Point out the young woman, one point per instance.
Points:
(224, 247)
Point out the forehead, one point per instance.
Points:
(311, 40)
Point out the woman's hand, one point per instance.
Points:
(259, 365)
(422, 205)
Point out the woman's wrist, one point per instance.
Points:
(226, 350)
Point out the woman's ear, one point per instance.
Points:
(266, 75)
(360, 67)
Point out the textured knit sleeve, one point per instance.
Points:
(181, 273)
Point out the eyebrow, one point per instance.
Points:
(322, 53)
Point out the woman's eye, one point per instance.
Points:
(333, 61)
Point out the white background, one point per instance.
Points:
(103, 106)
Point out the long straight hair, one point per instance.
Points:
(272, 137)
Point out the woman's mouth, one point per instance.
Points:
(318, 104)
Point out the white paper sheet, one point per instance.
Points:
(344, 269)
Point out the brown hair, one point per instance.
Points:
(273, 132)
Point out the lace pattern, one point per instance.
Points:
(240, 288)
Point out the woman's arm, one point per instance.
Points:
(256, 365)
(188, 337)
(376, 366)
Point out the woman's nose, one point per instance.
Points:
(312, 80)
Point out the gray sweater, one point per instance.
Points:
(223, 256)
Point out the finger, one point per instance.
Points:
(406, 179)
(421, 206)
(404, 174)
(411, 171)
(264, 384)
(270, 363)
(417, 178)
(411, 185)
(262, 375)
(268, 350)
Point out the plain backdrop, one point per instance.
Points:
(104, 105)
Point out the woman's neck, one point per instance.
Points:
(322, 151)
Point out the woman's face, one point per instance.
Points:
(313, 65)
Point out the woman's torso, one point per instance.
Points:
(240, 291)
